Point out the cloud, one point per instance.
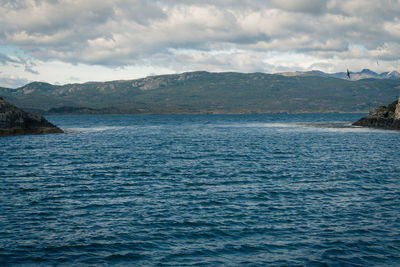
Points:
(31, 70)
(306, 6)
(232, 34)
(26, 63)
(12, 81)
(4, 59)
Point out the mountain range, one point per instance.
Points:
(355, 76)
(207, 92)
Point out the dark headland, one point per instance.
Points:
(14, 121)
(387, 117)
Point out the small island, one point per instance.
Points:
(387, 117)
(14, 121)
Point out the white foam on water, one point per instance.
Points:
(106, 128)
(340, 127)
(343, 127)
(258, 125)
(93, 129)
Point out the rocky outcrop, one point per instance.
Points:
(387, 117)
(14, 121)
(397, 110)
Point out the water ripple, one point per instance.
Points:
(308, 190)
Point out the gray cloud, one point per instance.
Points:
(27, 64)
(31, 70)
(306, 6)
(4, 59)
(12, 81)
(122, 32)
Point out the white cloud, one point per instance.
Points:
(185, 35)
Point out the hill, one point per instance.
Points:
(205, 92)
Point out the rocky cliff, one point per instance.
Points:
(14, 121)
(382, 117)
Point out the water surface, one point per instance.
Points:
(201, 190)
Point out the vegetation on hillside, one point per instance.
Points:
(204, 92)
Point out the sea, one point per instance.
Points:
(201, 190)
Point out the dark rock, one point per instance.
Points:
(14, 121)
(386, 123)
(382, 117)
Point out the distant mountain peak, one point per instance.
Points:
(393, 75)
(37, 84)
(368, 71)
(363, 74)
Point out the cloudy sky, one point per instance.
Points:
(68, 41)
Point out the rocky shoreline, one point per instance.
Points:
(387, 117)
(14, 121)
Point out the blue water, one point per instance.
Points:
(247, 190)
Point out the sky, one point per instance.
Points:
(76, 41)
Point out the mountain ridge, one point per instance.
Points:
(354, 76)
(207, 92)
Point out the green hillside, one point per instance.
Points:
(204, 92)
